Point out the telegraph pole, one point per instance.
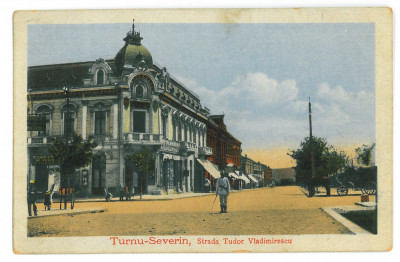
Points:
(311, 140)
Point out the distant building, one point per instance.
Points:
(259, 174)
(225, 147)
(284, 175)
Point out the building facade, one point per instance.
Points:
(225, 147)
(126, 104)
(259, 174)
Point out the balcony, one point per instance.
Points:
(170, 146)
(188, 146)
(142, 138)
(40, 140)
(204, 150)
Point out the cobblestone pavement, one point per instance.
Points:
(265, 211)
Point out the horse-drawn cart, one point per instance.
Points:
(361, 179)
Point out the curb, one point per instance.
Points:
(101, 210)
(356, 229)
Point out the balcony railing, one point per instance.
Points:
(170, 146)
(204, 150)
(142, 137)
(188, 146)
(41, 140)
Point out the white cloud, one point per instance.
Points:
(251, 89)
(261, 111)
(333, 94)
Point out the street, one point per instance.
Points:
(264, 211)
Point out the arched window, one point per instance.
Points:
(139, 91)
(100, 77)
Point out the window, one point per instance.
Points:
(186, 135)
(139, 121)
(44, 111)
(100, 77)
(140, 87)
(100, 123)
(164, 126)
(174, 127)
(69, 122)
(139, 91)
(179, 132)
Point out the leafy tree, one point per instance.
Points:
(78, 154)
(364, 154)
(327, 161)
(145, 162)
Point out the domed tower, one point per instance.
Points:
(133, 54)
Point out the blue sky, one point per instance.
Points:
(259, 75)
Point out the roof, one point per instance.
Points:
(57, 75)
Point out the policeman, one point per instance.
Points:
(222, 189)
(32, 198)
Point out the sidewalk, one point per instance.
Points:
(60, 212)
(170, 196)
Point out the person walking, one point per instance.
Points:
(32, 199)
(222, 189)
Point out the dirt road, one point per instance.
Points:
(266, 211)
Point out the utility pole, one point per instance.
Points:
(311, 140)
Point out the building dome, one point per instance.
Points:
(133, 54)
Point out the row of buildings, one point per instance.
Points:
(128, 103)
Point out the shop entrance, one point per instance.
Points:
(98, 175)
(41, 178)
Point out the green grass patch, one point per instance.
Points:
(365, 219)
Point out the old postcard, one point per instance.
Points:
(209, 130)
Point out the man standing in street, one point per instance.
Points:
(32, 199)
(222, 189)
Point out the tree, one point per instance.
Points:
(145, 162)
(364, 154)
(78, 154)
(327, 161)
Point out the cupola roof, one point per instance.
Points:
(133, 53)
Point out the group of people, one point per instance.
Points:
(222, 190)
(32, 198)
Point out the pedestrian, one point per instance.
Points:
(48, 200)
(121, 193)
(32, 198)
(207, 185)
(222, 189)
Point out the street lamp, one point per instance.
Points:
(65, 180)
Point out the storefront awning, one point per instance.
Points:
(245, 179)
(210, 168)
(233, 175)
(253, 178)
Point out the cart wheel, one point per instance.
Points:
(342, 191)
(370, 189)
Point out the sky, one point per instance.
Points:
(259, 75)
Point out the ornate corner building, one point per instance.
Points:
(125, 103)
